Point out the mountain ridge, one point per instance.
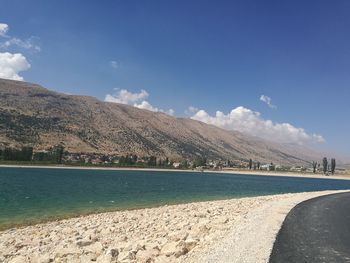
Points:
(33, 115)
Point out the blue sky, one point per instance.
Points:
(212, 55)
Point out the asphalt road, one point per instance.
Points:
(317, 230)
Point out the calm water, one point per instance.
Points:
(29, 195)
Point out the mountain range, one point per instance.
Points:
(31, 115)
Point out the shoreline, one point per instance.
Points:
(224, 171)
(211, 231)
(239, 245)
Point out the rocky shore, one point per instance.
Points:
(215, 231)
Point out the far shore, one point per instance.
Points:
(225, 171)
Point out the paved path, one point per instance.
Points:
(317, 230)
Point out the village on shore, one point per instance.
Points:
(58, 155)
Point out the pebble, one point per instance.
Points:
(162, 234)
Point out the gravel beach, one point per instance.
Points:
(235, 230)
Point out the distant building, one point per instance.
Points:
(267, 167)
(297, 169)
(176, 165)
(96, 161)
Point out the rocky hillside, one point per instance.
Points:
(33, 115)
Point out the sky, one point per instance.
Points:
(274, 69)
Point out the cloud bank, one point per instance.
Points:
(268, 101)
(137, 100)
(12, 64)
(251, 122)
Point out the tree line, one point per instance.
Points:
(12, 154)
(130, 160)
(26, 154)
(326, 166)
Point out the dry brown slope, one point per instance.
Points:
(31, 114)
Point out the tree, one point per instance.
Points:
(41, 156)
(27, 154)
(250, 164)
(122, 160)
(314, 165)
(129, 159)
(152, 161)
(184, 164)
(333, 165)
(258, 165)
(7, 154)
(325, 165)
(12, 154)
(199, 161)
(58, 152)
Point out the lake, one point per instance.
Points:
(32, 195)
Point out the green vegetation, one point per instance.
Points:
(200, 161)
(26, 155)
(333, 165)
(11, 154)
(325, 165)
(57, 155)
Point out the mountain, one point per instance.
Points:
(33, 115)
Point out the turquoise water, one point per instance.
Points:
(31, 195)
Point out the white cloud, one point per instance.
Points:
(191, 110)
(125, 97)
(146, 106)
(250, 122)
(3, 29)
(268, 101)
(114, 64)
(26, 44)
(170, 112)
(14, 41)
(137, 100)
(12, 64)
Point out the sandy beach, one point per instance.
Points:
(235, 230)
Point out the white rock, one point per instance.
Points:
(126, 256)
(190, 244)
(95, 248)
(83, 243)
(19, 259)
(174, 248)
(146, 256)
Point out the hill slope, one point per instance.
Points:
(33, 115)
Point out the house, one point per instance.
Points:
(176, 165)
(267, 167)
(96, 161)
(297, 169)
